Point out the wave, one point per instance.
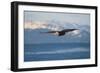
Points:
(59, 51)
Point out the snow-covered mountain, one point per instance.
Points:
(32, 32)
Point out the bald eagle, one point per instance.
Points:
(62, 32)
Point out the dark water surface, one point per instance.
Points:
(56, 51)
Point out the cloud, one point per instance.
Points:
(34, 25)
(43, 25)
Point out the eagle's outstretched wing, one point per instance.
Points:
(51, 31)
(60, 33)
(68, 30)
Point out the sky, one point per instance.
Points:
(31, 16)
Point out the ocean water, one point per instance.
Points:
(56, 51)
